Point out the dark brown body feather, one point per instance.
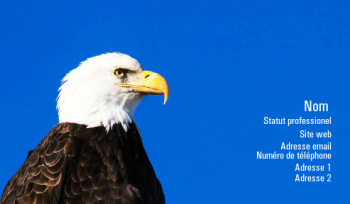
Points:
(75, 164)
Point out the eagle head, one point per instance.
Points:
(105, 90)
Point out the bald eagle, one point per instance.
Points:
(95, 154)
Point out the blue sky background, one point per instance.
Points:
(228, 65)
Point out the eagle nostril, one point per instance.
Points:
(147, 76)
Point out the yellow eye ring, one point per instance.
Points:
(120, 73)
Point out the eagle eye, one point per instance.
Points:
(120, 73)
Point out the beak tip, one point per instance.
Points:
(165, 100)
(166, 94)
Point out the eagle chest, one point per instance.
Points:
(105, 167)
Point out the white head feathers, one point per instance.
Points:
(89, 94)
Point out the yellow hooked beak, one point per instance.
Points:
(151, 83)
